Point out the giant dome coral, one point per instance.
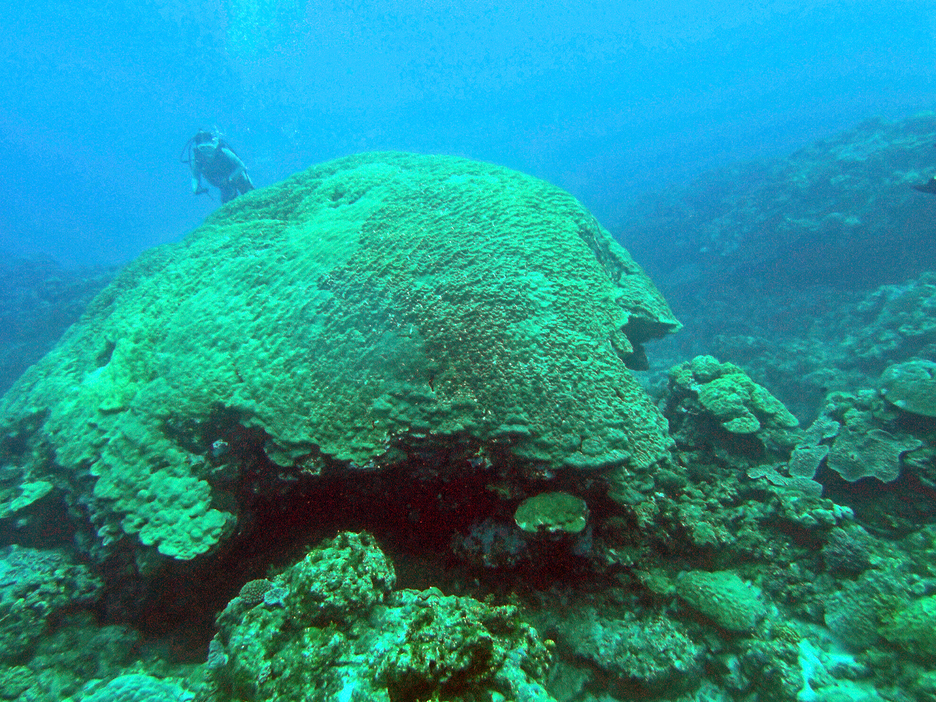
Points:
(343, 314)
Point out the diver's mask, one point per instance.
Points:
(205, 144)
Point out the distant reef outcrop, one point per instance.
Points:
(840, 213)
(813, 272)
(39, 300)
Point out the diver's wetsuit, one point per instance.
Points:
(224, 170)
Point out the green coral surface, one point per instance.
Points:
(357, 304)
(723, 597)
(914, 627)
(382, 646)
(552, 512)
(738, 403)
(911, 386)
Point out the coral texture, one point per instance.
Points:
(340, 633)
(722, 597)
(353, 306)
(911, 386)
(551, 513)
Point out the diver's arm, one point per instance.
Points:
(197, 188)
(239, 166)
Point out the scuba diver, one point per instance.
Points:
(209, 157)
(927, 187)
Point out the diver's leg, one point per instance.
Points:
(244, 185)
(228, 192)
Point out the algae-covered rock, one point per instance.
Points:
(723, 597)
(139, 688)
(739, 404)
(552, 513)
(358, 304)
(856, 610)
(342, 577)
(36, 586)
(79, 653)
(914, 627)
(652, 652)
(405, 645)
(336, 581)
(460, 649)
(911, 386)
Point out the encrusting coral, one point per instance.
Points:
(339, 607)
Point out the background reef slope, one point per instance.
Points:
(340, 316)
(839, 212)
(814, 271)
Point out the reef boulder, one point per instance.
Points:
(384, 645)
(342, 315)
(911, 386)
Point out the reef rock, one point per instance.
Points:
(37, 587)
(911, 386)
(375, 644)
(723, 597)
(839, 213)
(716, 406)
(651, 654)
(341, 315)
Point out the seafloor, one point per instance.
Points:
(411, 428)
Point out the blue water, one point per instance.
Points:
(716, 575)
(606, 98)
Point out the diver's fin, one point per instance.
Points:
(927, 187)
